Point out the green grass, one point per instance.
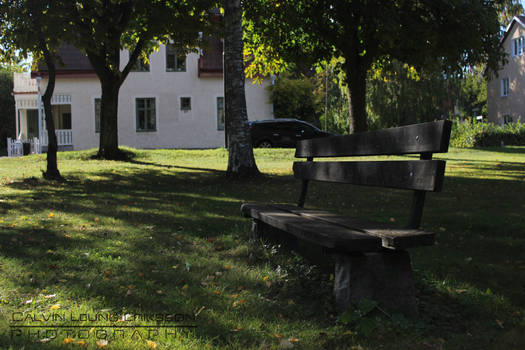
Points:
(162, 234)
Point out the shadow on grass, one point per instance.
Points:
(169, 234)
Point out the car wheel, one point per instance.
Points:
(264, 144)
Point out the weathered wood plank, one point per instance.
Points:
(423, 175)
(430, 137)
(393, 238)
(315, 231)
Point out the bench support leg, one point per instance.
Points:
(257, 229)
(385, 277)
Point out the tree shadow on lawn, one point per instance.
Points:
(136, 228)
(121, 231)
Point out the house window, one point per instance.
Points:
(97, 114)
(220, 113)
(185, 104)
(518, 46)
(140, 65)
(505, 87)
(146, 119)
(175, 60)
(507, 119)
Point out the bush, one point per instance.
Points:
(474, 134)
(295, 98)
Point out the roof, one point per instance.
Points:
(72, 61)
(516, 20)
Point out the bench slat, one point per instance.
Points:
(424, 175)
(322, 233)
(395, 238)
(432, 137)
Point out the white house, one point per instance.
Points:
(177, 101)
(505, 98)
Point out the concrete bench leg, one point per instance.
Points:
(385, 277)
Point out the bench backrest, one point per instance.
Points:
(419, 175)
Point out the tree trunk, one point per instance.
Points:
(52, 145)
(356, 71)
(51, 172)
(241, 162)
(108, 147)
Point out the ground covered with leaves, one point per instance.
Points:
(153, 253)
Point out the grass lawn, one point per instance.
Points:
(160, 239)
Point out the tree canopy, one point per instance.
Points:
(437, 35)
(35, 26)
(101, 29)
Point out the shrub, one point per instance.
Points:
(474, 134)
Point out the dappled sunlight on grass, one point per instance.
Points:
(162, 233)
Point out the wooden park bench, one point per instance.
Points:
(371, 261)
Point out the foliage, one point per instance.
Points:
(398, 95)
(138, 26)
(295, 98)
(471, 133)
(472, 96)
(7, 107)
(507, 9)
(35, 27)
(422, 34)
(332, 92)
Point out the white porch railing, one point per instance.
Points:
(22, 82)
(15, 148)
(64, 137)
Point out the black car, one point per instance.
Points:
(283, 132)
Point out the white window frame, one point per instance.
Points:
(171, 46)
(505, 87)
(135, 104)
(518, 46)
(185, 110)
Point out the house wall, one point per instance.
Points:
(174, 128)
(513, 104)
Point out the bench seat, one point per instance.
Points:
(332, 231)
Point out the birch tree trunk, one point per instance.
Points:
(241, 162)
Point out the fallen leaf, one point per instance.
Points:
(460, 291)
(50, 215)
(293, 339)
(68, 341)
(55, 307)
(81, 343)
(101, 343)
(46, 340)
(499, 323)
(227, 267)
(151, 344)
